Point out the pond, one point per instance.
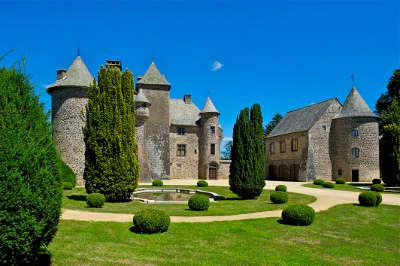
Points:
(170, 195)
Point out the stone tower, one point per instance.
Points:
(69, 95)
(354, 141)
(142, 114)
(209, 141)
(155, 88)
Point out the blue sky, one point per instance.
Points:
(281, 54)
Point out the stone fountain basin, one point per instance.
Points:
(170, 195)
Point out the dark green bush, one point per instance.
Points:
(282, 188)
(376, 181)
(157, 183)
(340, 180)
(30, 189)
(150, 221)
(370, 198)
(95, 200)
(318, 182)
(199, 203)
(65, 172)
(298, 214)
(202, 183)
(377, 188)
(279, 197)
(67, 185)
(328, 185)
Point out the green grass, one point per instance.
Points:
(345, 187)
(231, 205)
(343, 235)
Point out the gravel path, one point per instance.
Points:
(326, 198)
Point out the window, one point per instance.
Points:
(283, 146)
(324, 127)
(272, 148)
(295, 144)
(339, 172)
(212, 130)
(181, 151)
(212, 147)
(355, 152)
(181, 131)
(354, 133)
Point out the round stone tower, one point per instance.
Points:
(355, 141)
(142, 114)
(209, 141)
(69, 96)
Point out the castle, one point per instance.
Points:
(175, 138)
(326, 141)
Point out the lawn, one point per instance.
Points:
(75, 199)
(345, 187)
(343, 235)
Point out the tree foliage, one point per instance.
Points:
(226, 153)
(393, 92)
(30, 187)
(111, 166)
(272, 124)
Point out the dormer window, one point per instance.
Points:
(181, 131)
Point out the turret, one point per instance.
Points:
(69, 95)
(141, 108)
(142, 114)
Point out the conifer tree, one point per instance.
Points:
(256, 123)
(111, 165)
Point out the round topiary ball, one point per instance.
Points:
(340, 180)
(199, 203)
(300, 214)
(377, 188)
(67, 185)
(370, 198)
(328, 185)
(157, 183)
(202, 183)
(378, 199)
(318, 182)
(279, 197)
(376, 181)
(95, 200)
(151, 221)
(282, 188)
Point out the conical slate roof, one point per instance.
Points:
(355, 106)
(140, 98)
(77, 76)
(209, 107)
(153, 76)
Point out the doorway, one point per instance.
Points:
(355, 176)
(212, 172)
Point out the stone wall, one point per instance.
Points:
(206, 139)
(184, 167)
(68, 117)
(223, 170)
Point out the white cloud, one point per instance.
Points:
(225, 139)
(216, 66)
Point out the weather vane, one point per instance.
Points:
(352, 79)
(79, 52)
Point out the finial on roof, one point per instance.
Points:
(79, 52)
(352, 80)
(152, 60)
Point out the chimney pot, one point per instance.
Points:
(187, 99)
(61, 73)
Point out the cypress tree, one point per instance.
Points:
(256, 123)
(111, 165)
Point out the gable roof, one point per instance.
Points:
(209, 107)
(77, 76)
(153, 76)
(355, 106)
(181, 113)
(301, 119)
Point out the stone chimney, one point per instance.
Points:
(187, 99)
(61, 73)
(114, 63)
(139, 78)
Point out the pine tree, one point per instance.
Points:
(111, 165)
(256, 123)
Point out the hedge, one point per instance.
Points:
(199, 203)
(376, 181)
(157, 183)
(370, 199)
(318, 182)
(377, 188)
(67, 185)
(340, 180)
(95, 200)
(300, 214)
(279, 197)
(282, 188)
(151, 221)
(328, 185)
(202, 183)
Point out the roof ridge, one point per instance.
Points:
(327, 100)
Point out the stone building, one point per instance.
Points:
(175, 138)
(326, 141)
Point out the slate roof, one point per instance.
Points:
(301, 119)
(355, 106)
(153, 76)
(77, 76)
(140, 98)
(209, 107)
(181, 113)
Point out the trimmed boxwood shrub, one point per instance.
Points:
(376, 181)
(300, 214)
(157, 183)
(370, 198)
(377, 188)
(340, 180)
(318, 182)
(279, 197)
(328, 185)
(199, 203)
(282, 188)
(95, 200)
(151, 221)
(202, 183)
(67, 185)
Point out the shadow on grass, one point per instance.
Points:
(281, 221)
(135, 230)
(78, 197)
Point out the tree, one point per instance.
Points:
(30, 187)
(111, 166)
(393, 92)
(390, 144)
(226, 153)
(256, 124)
(272, 124)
